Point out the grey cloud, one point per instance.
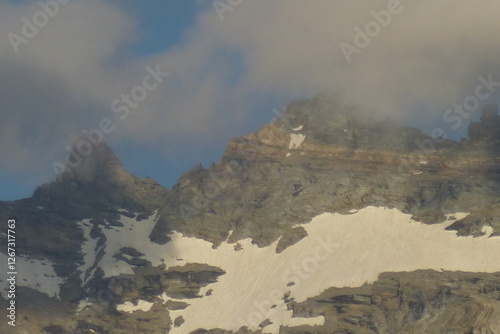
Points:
(430, 55)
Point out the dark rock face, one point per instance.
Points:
(95, 190)
(326, 122)
(48, 315)
(488, 130)
(290, 238)
(257, 191)
(417, 302)
(262, 187)
(174, 305)
(101, 165)
(185, 282)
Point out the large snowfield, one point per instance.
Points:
(340, 250)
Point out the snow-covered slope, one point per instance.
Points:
(340, 250)
(37, 274)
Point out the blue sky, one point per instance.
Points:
(160, 26)
(228, 68)
(161, 23)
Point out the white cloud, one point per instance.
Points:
(65, 78)
(430, 52)
(429, 55)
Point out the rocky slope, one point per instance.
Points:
(320, 157)
(416, 302)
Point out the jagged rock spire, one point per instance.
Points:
(88, 161)
(488, 130)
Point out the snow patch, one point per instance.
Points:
(133, 234)
(83, 304)
(487, 230)
(257, 279)
(38, 274)
(130, 308)
(314, 321)
(89, 251)
(296, 139)
(165, 298)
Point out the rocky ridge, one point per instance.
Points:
(320, 157)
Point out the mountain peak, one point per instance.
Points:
(327, 120)
(300, 184)
(487, 130)
(90, 161)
